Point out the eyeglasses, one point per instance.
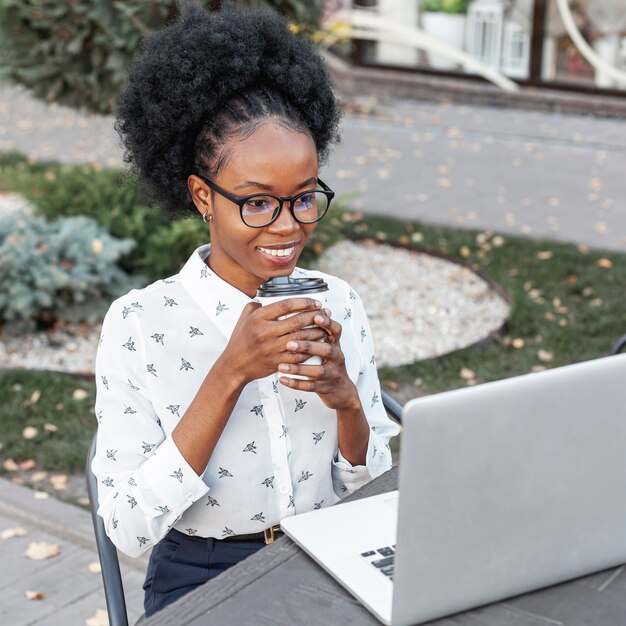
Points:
(259, 210)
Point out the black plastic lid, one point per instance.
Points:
(286, 286)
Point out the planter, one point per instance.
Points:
(446, 27)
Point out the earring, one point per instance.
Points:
(206, 219)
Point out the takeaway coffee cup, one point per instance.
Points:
(283, 287)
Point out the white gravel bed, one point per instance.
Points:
(419, 306)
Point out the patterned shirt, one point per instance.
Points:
(278, 454)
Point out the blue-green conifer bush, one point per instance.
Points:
(65, 269)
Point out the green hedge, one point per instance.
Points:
(115, 200)
(77, 53)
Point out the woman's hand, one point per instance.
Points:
(329, 380)
(258, 343)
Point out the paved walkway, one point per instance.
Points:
(540, 175)
(73, 594)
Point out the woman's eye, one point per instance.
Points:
(257, 205)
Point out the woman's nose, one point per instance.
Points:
(285, 222)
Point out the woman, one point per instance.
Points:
(203, 444)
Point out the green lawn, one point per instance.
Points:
(567, 306)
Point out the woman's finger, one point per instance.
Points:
(316, 348)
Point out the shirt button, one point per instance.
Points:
(190, 496)
(284, 489)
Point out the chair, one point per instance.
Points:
(619, 345)
(107, 552)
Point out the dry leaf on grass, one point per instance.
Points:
(37, 477)
(50, 428)
(101, 618)
(27, 465)
(35, 595)
(544, 255)
(30, 432)
(545, 356)
(40, 550)
(79, 394)
(467, 374)
(59, 482)
(34, 398)
(605, 263)
(518, 343)
(10, 465)
(9, 533)
(94, 568)
(40, 495)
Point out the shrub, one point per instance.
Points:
(54, 270)
(77, 52)
(445, 6)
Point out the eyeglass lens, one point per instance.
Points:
(308, 208)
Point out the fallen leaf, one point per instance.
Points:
(39, 550)
(59, 482)
(465, 252)
(40, 495)
(34, 398)
(467, 374)
(518, 343)
(27, 465)
(9, 533)
(37, 477)
(83, 501)
(101, 618)
(35, 595)
(51, 428)
(30, 432)
(79, 394)
(94, 568)
(10, 465)
(392, 384)
(605, 263)
(498, 241)
(417, 237)
(596, 302)
(544, 255)
(538, 368)
(545, 356)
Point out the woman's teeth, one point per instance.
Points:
(278, 251)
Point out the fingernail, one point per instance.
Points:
(292, 345)
(318, 319)
(283, 367)
(327, 311)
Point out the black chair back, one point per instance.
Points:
(107, 552)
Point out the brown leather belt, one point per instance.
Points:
(269, 535)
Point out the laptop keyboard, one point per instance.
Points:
(382, 559)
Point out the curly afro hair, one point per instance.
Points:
(212, 76)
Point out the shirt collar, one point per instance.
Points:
(220, 301)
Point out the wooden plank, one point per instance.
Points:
(282, 586)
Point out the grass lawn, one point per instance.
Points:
(567, 306)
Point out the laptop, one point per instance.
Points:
(506, 487)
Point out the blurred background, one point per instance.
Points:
(480, 215)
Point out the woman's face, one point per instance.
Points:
(273, 160)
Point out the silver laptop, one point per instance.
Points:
(505, 487)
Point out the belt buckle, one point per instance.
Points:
(269, 534)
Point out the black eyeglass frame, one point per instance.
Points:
(240, 201)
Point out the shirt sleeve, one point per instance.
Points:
(357, 336)
(144, 482)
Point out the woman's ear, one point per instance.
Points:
(199, 194)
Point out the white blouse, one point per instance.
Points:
(278, 454)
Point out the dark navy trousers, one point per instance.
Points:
(180, 563)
